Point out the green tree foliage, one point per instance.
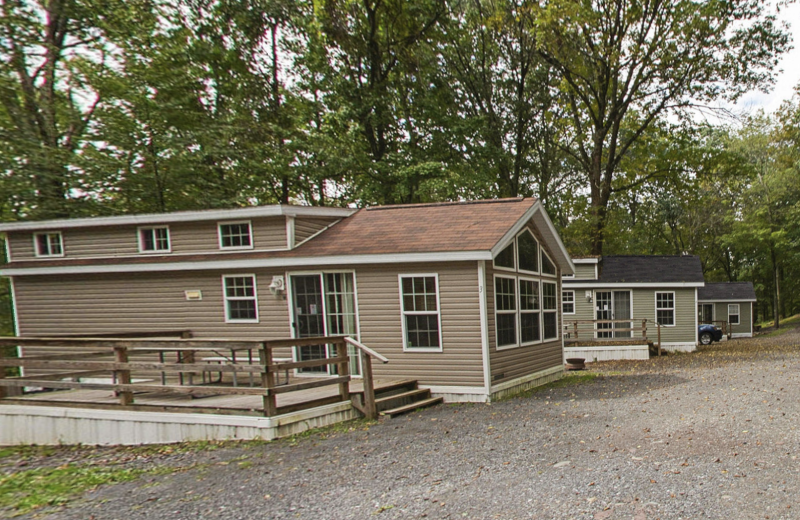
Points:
(626, 64)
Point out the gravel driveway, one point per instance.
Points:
(706, 435)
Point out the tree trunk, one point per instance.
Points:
(777, 290)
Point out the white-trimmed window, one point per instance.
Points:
(235, 235)
(154, 239)
(419, 300)
(568, 302)
(241, 302)
(527, 252)
(48, 244)
(733, 313)
(665, 308)
(505, 258)
(529, 328)
(505, 320)
(548, 267)
(549, 310)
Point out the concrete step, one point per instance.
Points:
(398, 400)
(425, 403)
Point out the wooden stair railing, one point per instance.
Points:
(369, 409)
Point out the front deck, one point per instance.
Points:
(156, 389)
(607, 340)
(156, 401)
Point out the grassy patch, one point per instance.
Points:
(26, 490)
(787, 324)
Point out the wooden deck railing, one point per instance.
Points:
(127, 359)
(578, 330)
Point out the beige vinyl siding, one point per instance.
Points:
(460, 363)
(116, 241)
(304, 227)
(585, 271)
(100, 304)
(511, 363)
(745, 316)
(95, 304)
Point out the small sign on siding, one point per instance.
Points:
(193, 295)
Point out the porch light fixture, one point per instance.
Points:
(588, 296)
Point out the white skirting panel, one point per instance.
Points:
(53, 425)
(741, 335)
(679, 347)
(607, 352)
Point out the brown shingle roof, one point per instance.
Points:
(412, 228)
(420, 228)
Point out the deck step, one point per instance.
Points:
(397, 400)
(396, 387)
(425, 403)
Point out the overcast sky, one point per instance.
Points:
(788, 79)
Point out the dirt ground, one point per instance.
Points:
(712, 434)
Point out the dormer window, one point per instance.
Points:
(527, 252)
(154, 240)
(235, 235)
(48, 244)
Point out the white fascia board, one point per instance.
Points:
(181, 216)
(523, 220)
(585, 260)
(596, 285)
(726, 301)
(252, 263)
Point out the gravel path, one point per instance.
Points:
(706, 435)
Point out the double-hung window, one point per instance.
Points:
(241, 302)
(549, 310)
(568, 302)
(154, 240)
(665, 308)
(235, 235)
(733, 313)
(48, 244)
(419, 298)
(529, 311)
(505, 296)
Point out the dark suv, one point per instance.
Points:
(709, 334)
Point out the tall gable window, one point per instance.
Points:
(419, 295)
(154, 239)
(733, 313)
(48, 244)
(525, 306)
(235, 235)
(505, 259)
(241, 303)
(527, 252)
(665, 308)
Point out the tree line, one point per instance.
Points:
(591, 105)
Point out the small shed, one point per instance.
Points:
(729, 302)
